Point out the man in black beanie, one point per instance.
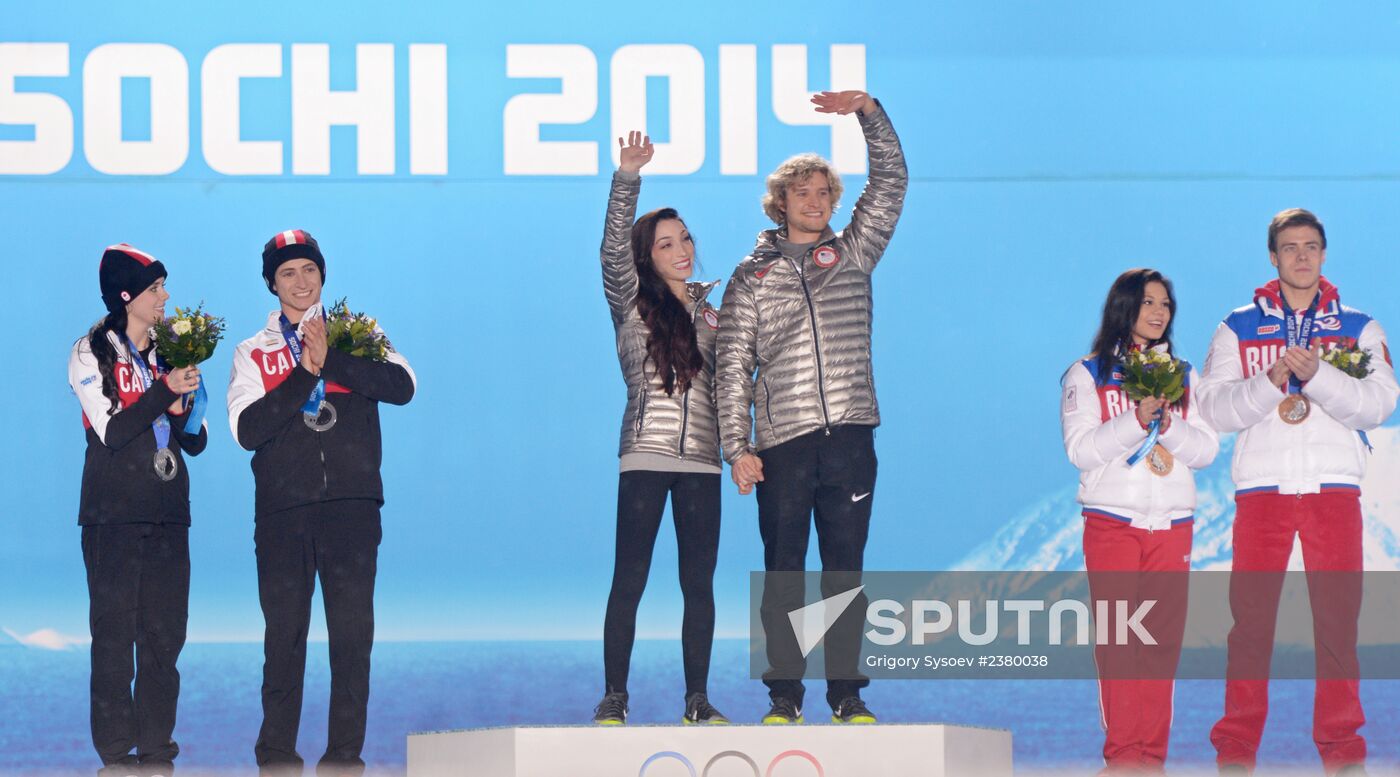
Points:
(310, 414)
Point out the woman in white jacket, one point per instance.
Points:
(1137, 517)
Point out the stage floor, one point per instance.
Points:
(923, 750)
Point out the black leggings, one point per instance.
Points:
(641, 499)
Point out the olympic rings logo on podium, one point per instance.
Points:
(732, 755)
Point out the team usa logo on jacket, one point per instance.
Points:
(711, 318)
(825, 256)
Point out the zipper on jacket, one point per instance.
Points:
(642, 402)
(768, 403)
(325, 479)
(685, 399)
(816, 347)
(685, 417)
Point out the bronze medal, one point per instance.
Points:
(1294, 409)
(1160, 461)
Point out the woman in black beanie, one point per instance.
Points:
(135, 515)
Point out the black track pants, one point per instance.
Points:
(831, 476)
(339, 542)
(138, 577)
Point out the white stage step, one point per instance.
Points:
(883, 750)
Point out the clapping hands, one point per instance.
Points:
(313, 344)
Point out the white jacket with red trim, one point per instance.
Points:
(1324, 452)
(1101, 433)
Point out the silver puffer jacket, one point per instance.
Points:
(683, 425)
(804, 328)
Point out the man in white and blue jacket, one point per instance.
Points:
(1299, 461)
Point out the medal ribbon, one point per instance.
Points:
(161, 427)
(1299, 334)
(318, 394)
(196, 413)
(1153, 430)
(197, 405)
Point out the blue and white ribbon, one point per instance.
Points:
(1154, 430)
(197, 409)
(318, 394)
(161, 427)
(1299, 335)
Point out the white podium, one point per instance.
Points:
(925, 750)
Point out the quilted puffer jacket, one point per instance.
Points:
(794, 337)
(683, 425)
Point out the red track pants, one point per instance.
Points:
(1136, 681)
(1329, 525)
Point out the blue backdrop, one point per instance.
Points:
(1050, 145)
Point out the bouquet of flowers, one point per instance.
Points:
(1348, 357)
(188, 337)
(1151, 373)
(355, 333)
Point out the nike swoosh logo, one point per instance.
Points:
(858, 497)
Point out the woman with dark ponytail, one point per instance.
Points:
(1137, 485)
(134, 511)
(670, 436)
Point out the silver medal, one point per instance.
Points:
(166, 465)
(323, 419)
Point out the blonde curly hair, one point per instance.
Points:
(792, 173)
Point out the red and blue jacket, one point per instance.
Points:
(1101, 432)
(1323, 453)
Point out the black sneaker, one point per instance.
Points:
(612, 710)
(852, 710)
(699, 710)
(782, 713)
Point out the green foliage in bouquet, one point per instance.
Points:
(355, 333)
(188, 337)
(1348, 357)
(1153, 374)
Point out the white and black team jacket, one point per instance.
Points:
(293, 465)
(1101, 432)
(120, 484)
